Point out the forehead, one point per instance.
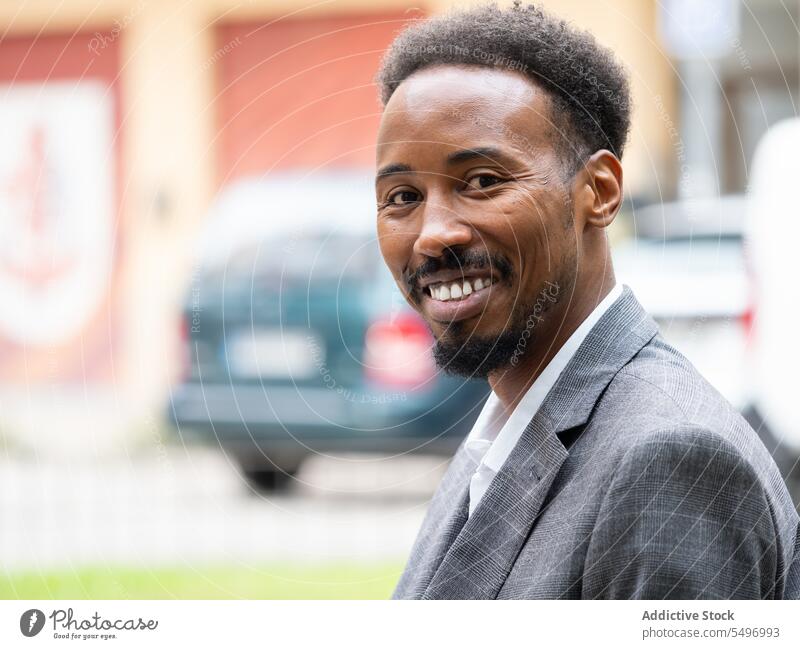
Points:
(459, 105)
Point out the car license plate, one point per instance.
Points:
(275, 353)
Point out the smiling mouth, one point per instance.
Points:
(457, 298)
(458, 290)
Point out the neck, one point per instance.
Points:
(512, 382)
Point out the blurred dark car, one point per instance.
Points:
(298, 342)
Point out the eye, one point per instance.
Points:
(483, 181)
(403, 197)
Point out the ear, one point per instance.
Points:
(597, 189)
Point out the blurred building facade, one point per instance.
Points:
(126, 117)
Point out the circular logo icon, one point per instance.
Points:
(31, 622)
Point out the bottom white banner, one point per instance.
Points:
(396, 624)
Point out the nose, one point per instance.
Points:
(441, 229)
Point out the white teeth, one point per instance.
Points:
(456, 291)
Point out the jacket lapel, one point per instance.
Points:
(477, 563)
(444, 519)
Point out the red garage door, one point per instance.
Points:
(299, 92)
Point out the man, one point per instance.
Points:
(602, 465)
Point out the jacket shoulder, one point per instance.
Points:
(669, 429)
(685, 516)
(661, 389)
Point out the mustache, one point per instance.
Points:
(463, 260)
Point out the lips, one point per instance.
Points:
(460, 287)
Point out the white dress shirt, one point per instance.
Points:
(494, 435)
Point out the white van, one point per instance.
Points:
(772, 234)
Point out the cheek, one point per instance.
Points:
(524, 231)
(533, 234)
(395, 244)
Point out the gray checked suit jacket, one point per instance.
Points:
(635, 479)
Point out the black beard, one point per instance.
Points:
(477, 357)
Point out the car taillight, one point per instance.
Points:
(398, 352)
(747, 319)
(184, 350)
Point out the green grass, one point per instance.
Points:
(279, 581)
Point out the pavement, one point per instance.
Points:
(176, 505)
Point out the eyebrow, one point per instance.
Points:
(479, 152)
(488, 152)
(391, 169)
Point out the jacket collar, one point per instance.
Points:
(616, 338)
(477, 562)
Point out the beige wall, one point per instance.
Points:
(628, 27)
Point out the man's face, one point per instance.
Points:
(474, 212)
